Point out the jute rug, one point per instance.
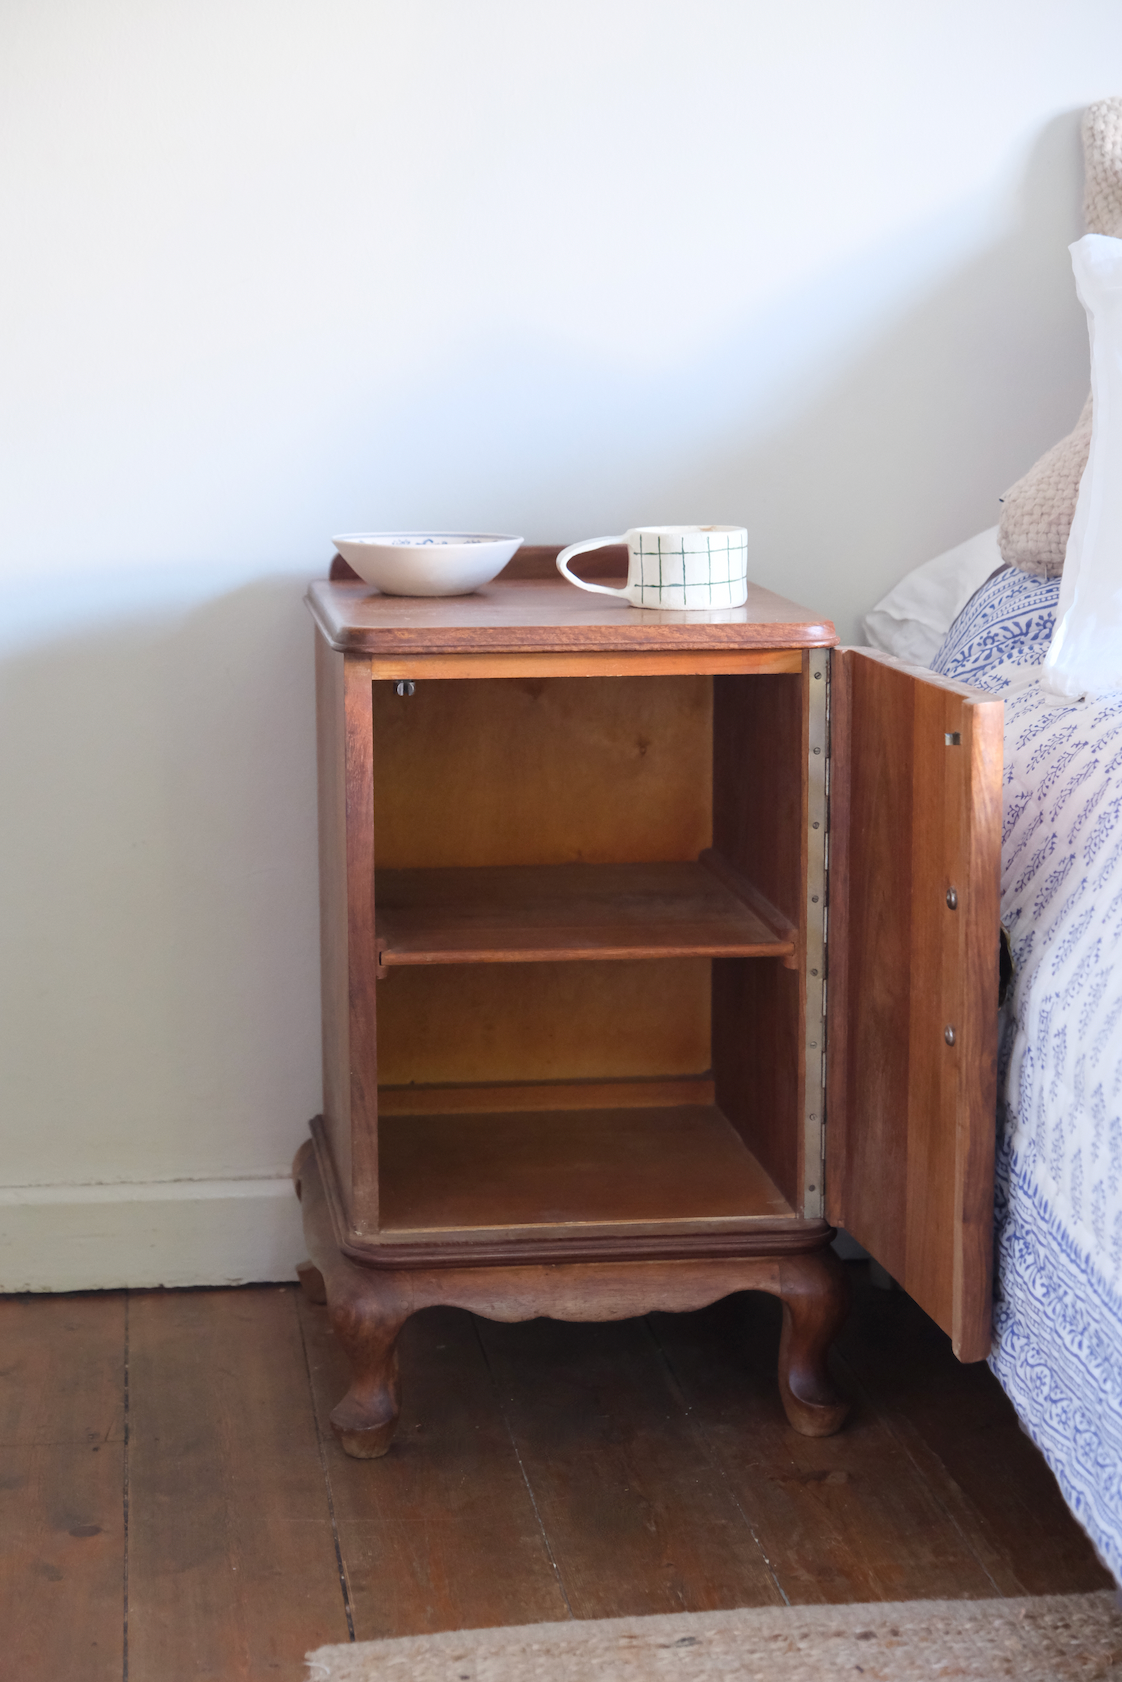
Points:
(1046, 1639)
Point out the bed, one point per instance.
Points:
(1058, 1312)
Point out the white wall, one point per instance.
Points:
(277, 269)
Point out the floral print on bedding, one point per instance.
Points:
(1058, 1315)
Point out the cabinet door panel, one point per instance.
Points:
(915, 849)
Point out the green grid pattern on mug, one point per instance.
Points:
(657, 575)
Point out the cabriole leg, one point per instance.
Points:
(367, 1310)
(311, 1283)
(814, 1291)
(366, 1418)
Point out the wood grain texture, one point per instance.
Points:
(971, 980)
(358, 729)
(61, 1377)
(845, 1518)
(931, 1489)
(757, 1061)
(814, 1291)
(456, 1024)
(369, 1302)
(348, 955)
(759, 771)
(334, 916)
(552, 1169)
(639, 1518)
(759, 813)
(572, 912)
(632, 1273)
(512, 616)
(747, 891)
(543, 771)
(442, 1533)
(548, 663)
(232, 1571)
(542, 1095)
(910, 1136)
(62, 1561)
(871, 839)
(959, 1430)
(62, 1545)
(539, 560)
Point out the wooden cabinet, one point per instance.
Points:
(653, 946)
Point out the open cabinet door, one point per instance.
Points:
(914, 867)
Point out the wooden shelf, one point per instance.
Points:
(540, 914)
(559, 1170)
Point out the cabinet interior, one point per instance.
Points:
(588, 899)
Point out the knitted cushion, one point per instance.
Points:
(1038, 509)
(1102, 167)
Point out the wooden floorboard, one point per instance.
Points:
(62, 1546)
(961, 1431)
(843, 1518)
(541, 1471)
(232, 1567)
(442, 1533)
(637, 1518)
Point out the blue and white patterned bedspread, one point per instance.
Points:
(1058, 1315)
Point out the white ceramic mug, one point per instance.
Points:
(680, 567)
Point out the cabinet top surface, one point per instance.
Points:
(529, 613)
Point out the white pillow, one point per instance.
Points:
(1086, 653)
(912, 620)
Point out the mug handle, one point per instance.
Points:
(566, 555)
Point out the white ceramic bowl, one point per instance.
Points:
(426, 563)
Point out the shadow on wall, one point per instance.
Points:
(911, 449)
(160, 904)
(857, 427)
(161, 914)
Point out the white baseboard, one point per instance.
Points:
(173, 1232)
